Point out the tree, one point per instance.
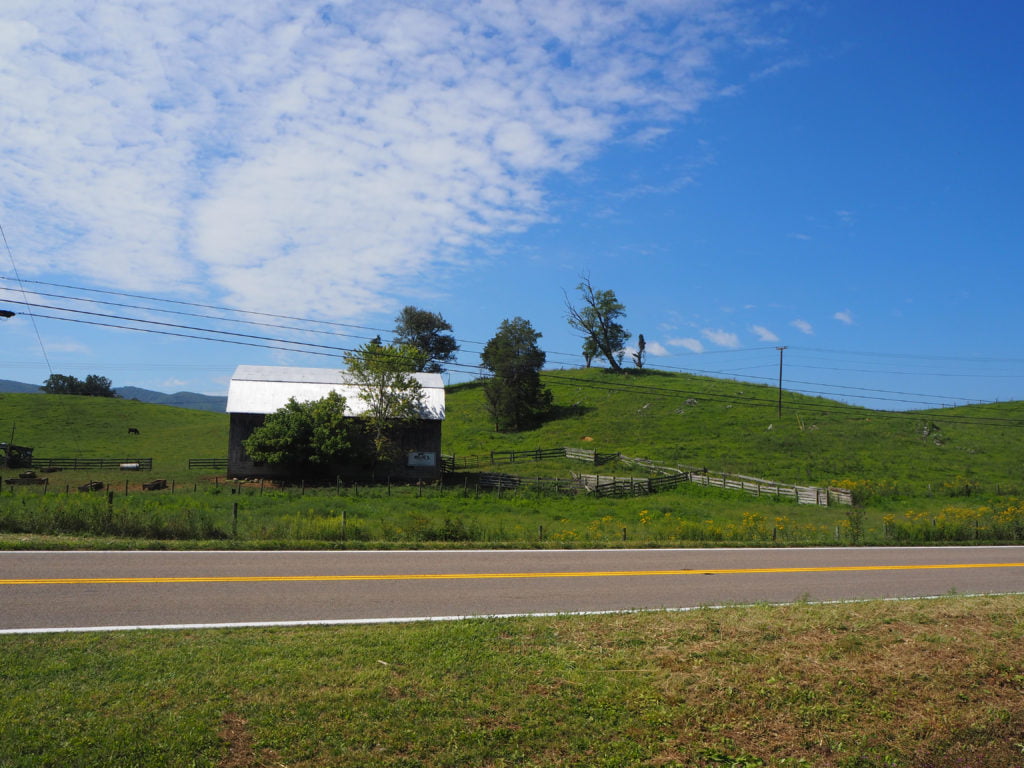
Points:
(640, 356)
(304, 437)
(98, 386)
(515, 396)
(425, 331)
(598, 322)
(93, 386)
(383, 375)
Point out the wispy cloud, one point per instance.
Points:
(803, 326)
(324, 157)
(764, 334)
(693, 345)
(67, 347)
(657, 349)
(721, 338)
(845, 317)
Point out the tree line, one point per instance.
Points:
(315, 435)
(306, 436)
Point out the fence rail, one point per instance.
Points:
(500, 482)
(64, 463)
(208, 464)
(755, 487)
(665, 476)
(454, 463)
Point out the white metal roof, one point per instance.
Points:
(266, 388)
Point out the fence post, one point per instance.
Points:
(125, 487)
(234, 520)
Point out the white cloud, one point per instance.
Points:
(764, 334)
(845, 317)
(68, 347)
(721, 338)
(803, 326)
(693, 345)
(657, 349)
(327, 158)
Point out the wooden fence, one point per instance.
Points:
(608, 485)
(662, 477)
(454, 463)
(45, 464)
(208, 464)
(757, 487)
(502, 482)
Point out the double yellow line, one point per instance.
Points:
(522, 575)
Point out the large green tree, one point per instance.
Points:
(93, 386)
(383, 374)
(516, 398)
(306, 437)
(597, 321)
(427, 332)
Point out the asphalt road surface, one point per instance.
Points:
(61, 591)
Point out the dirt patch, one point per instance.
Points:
(241, 752)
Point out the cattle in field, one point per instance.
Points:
(133, 431)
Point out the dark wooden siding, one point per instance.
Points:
(419, 437)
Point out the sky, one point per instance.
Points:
(842, 178)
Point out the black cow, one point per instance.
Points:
(133, 431)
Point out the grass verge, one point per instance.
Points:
(936, 683)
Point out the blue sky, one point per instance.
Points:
(843, 178)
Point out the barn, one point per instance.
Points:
(258, 390)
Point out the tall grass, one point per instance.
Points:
(405, 516)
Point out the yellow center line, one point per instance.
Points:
(525, 575)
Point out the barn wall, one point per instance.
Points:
(422, 437)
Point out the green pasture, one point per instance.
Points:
(942, 476)
(937, 683)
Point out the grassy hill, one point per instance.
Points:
(735, 427)
(678, 418)
(97, 427)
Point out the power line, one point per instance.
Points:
(832, 390)
(339, 352)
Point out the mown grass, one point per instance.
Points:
(937, 683)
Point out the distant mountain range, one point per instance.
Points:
(193, 400)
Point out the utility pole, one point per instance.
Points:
(781, 349)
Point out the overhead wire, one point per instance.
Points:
(305, 347)
(831, 389)
(340, 352)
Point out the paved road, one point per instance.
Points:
(75, 590)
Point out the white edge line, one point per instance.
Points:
(470, 617)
